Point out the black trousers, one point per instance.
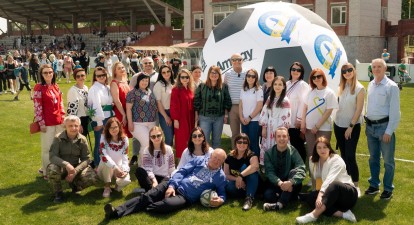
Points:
(274, 194)
(348, 149)
(153, 201)
(144, 181)
(298, 142)
(3, 82)
(337, 197)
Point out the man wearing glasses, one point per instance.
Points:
(234, 79)
(148, 69)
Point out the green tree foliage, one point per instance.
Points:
(405, 5)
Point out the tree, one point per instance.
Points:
(405, 9)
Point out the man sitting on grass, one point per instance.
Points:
(69, 160)
(184, 188)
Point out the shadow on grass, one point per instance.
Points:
(373, 205)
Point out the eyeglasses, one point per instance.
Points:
(184, 77)
(296, 70)
(114, 128)
(156, 136)
(316, 77)
(237, 60)
(242, 142)
(146, 63)
(47, 72)
(80, 75)
(197, 135)
(214, 73)
(347, 70)
(250, 76)
(101, 75)
(165, 72)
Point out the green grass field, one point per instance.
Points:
(25, 198)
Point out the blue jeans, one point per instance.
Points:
(252, 182)
(252, 130)
(168, 130)
(97, 134)
(212, 126)
(377, 147)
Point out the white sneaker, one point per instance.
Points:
(306, 218)
(107, 192)
(348, 215)
(359, 191)
(121, 184)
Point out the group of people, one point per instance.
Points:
(269, 124)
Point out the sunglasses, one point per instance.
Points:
(184, 77)
(213, 72)
(80, 75)
(250, 76)
(165, 72)
(242, 142)
(347, 70)
(100, 76)
(197, 135)
(317, 77)
(156, 136)
(296, 70)
(236, 60)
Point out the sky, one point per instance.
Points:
(3, 24)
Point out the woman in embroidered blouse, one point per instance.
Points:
(316, 115)
(157, 161)
(114, 157)
(162, 91)
(348, 119)
(275, 113)
(100, 102)
(182, 110)
(268, 76)
(141, 109)
(250, 105)
(336, 194)
(197, 147)
(297, 91)
(49, 111)
(77, 100)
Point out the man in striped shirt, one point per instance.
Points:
(234, 78)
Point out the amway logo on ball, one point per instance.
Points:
(328, 53)
(226, 64)
(276, 24)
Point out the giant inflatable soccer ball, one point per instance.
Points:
(275, 34)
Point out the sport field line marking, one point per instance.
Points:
(396, 159)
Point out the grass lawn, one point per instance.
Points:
(25, 198)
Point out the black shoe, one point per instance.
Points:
(58, 197)
(270, 207)
(134, 160)
(110, 212)
(248, 202)
(16, 98)
(386, 195)
(75, 189)
(372, 191)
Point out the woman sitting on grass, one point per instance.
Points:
(114, 157)
(335, 192)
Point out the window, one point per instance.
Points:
(198, 21)
(338, 15)
(384, 13)
(220, 12)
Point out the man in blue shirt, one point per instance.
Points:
(183, 189)
(382, 118)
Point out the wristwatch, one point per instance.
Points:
(351, 125)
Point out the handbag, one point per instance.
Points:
(34, 127)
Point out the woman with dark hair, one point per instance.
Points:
(141, 110)
(268, 76)
(275, 113)
(348, 119)
(212, 103)
(197, 147)
(157, 161)
(162, 92)
(34, 68)
(297, 90)
(335, 192)
(250, 105)
(49, 111)
(114, 157)
(100, 102)
(197, 72)
(240, 167)
(317, 110)
(182, 110)
(77, 100)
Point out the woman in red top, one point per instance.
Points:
(49, 111)
(119, 90)
(182, 110)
